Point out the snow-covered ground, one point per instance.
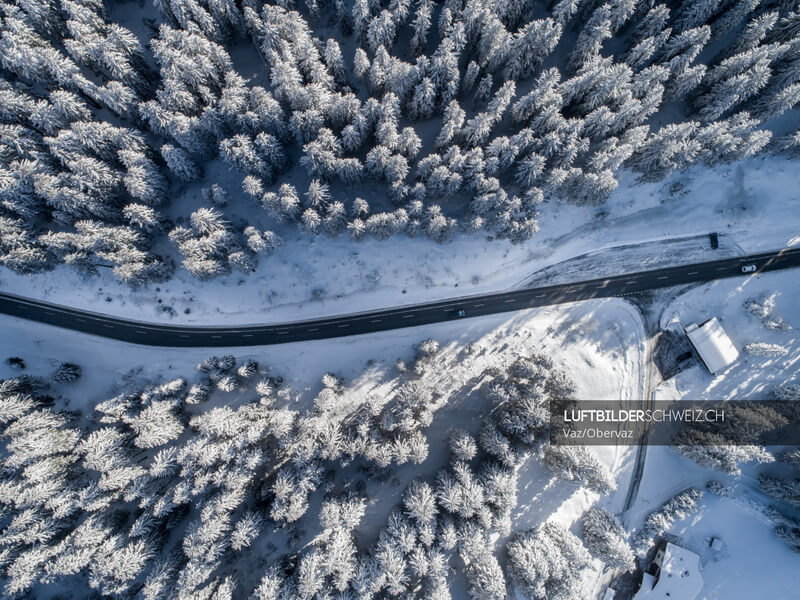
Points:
(754, 563)
(753, 204)
(599, 343)
(752, 376)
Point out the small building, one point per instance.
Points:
(677, 578)
(712, 345)
(716, 544)
(658, 559)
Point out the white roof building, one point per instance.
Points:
(715, 348)
(678, 579)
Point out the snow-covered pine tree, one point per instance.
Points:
(786, 490)
(546, 562)
(483, 572)
(180, 163)
(604, 537)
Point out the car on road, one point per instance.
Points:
(458, 314)
(748, 269)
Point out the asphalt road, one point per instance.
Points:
(152, 334)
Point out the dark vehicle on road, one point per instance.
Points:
(458, 314)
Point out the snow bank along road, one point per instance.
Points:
(152, 334)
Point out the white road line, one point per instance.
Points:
(282, 332)
(247, 335)
(407, 316)
(108, 326)
(313, 329)
(722, 269)
(47, 312)
(511, 300)
(631, 282)
(342, 326)
(183, 335)
(692, 273)
(142, 332)
(81, 320)
(663, 277)
(376, 321)
(541, 295)
(478, 305)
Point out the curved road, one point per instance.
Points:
(152, 334)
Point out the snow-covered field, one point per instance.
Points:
(752, 204)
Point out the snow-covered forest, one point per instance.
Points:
(364, 118)
(217, 486)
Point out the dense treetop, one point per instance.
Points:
(368, 118)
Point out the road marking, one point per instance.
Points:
(776, 260)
